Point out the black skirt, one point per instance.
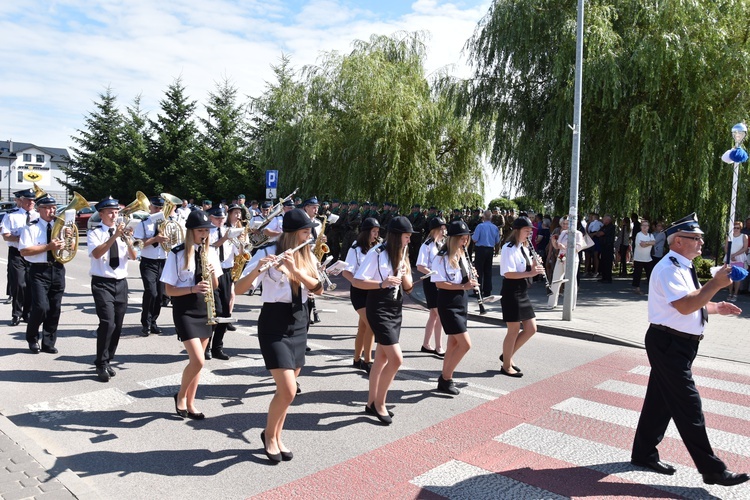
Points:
(358, 297)
(430, 293)
(282, 334)
(384, 315)
(453, 308)
(190, 315)
(515, 301)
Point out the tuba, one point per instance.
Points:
(169, 228)
(140, 203)
(68, 232)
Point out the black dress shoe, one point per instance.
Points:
(180, 413)
(299, 389)
(726, 478)
(34, 347)
(195, 416)
(514, 366)
(49, 350)
(231, 327)
(427, 350)
(15, 321)
(447, 386)
(371, 411)
(219, 354)
(516, 375)
(155, 329)
(111, 371)
(101, 374)
(207, 354)
(657, 466)
(144, 332)
(386, 419)
(273, 457)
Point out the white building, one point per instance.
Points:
(23, 164)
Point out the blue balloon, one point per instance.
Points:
(738, 155)
(738, 273)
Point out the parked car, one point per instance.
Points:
(95, 220)
(5, 206)
(83, 216)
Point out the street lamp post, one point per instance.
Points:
(11, 158)
(739, 132)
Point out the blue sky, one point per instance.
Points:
(58, 56)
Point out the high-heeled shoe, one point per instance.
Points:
(386, 419)
(273, 457)
(180, 413)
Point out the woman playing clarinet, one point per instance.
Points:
(516, 265)
(427, 253)
(386, 273)
(368, 237)
(189, 273)
(452, 281)
(288, 273)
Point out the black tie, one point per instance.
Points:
(221, 248)
(704, 310)
(156, 233)
(28, 218)
(114, 252)
(50, 257)
(198, 267)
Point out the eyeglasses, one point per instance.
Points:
(694, 238)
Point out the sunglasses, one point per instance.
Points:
(694, 238)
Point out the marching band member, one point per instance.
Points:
(515, 266)
(187, 284)
(283, 321)
(219, 239)
(235, 220)
(452, 281)
(13, 224)
(109, 256)
(427, 253)
(369, 235)
(384, 272)
(46, 277)
(151, 266)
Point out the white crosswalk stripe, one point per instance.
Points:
(711, 383)
(105, 399)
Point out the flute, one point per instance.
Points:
(277, 258)
(538, 261)
(477, 289)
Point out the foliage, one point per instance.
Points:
(703, 267)
(503, 204)
(663, 82)
(527, 203)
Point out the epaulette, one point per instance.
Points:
(35, 221)
(443, 251)
(178, 248)
(675, 261)
(380, 248)
(355, 244)
(12, 210)
(429, 240)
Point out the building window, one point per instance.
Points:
(40, 158)
(20, 175)
(26, 157)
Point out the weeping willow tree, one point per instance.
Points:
(368, 124)
(664, 81)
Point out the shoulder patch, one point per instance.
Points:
(380, 248)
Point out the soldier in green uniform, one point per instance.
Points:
(351, 227)
(473, 222)
(417, 219)
(499, 221)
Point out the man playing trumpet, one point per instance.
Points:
(110, 246)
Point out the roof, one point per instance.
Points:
(56, 154)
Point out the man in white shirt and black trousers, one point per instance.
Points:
(109, 256)
(151, 266)
(46, 276)
(18, 268)
(678, 309)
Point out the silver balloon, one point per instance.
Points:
(739, 132)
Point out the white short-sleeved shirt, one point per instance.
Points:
(354, 259)
(670, 281)
(230, 250)
(444, 271)
(427, 253)
(100, 267)
(594, 226)
(174, 274)
(146, 229)
(32, 235)
(376, 266)
(14, 223)
(276, 286)
(642, 254)
(513, 259)
(275, 225)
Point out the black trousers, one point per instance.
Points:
(111, 301)
(18, 270)
(483, 263)
(671, 394)
(47, 284)
(638, 268)
(606, 260)
(222, 296)
(153, 290)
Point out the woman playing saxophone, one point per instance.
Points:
(189, 277)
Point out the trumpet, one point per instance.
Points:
(127, 235)
(276, 261)
(323, 275)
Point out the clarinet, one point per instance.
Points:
(538, 260)
(400, 272)
(477, 290)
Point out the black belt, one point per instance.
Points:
(227, 269)
(155, 260)
(45, 264)
(677, 333)
(103, 279)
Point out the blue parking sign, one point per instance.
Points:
(272, 179)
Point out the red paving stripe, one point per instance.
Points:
(386, 470)
(705, 392)
(554, 475)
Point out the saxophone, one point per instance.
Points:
(241, 258)
(321, 248)
(206, 276)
